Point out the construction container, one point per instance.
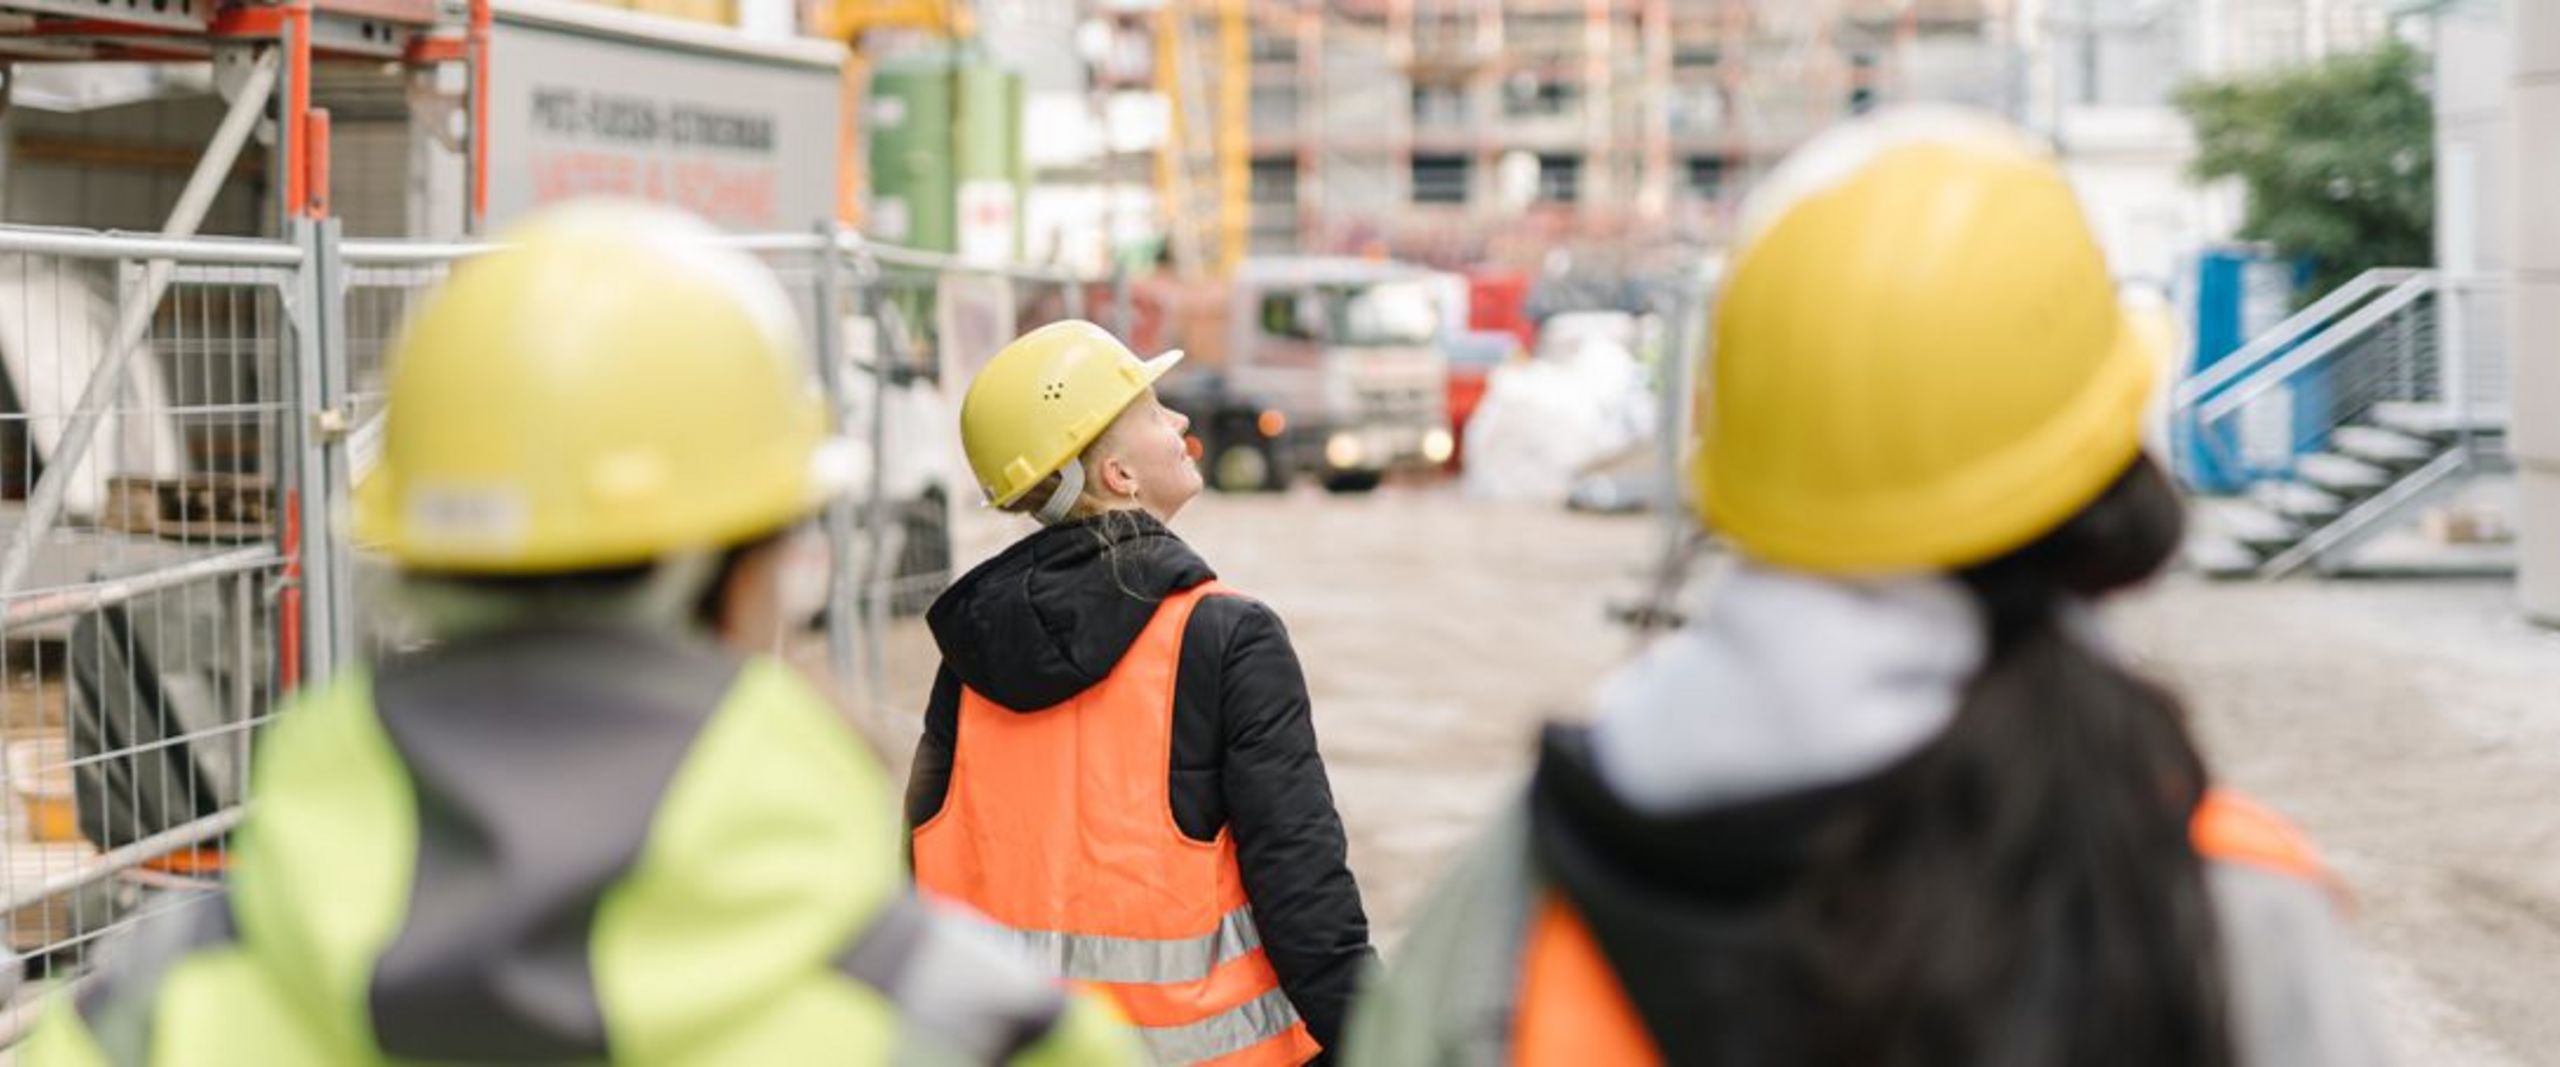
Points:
(947, 171)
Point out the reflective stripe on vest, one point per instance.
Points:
(1058, 825)
(1138, 960)
(1573, 1010)
(1230, 1035)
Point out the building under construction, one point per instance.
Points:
(1496, 129)
(1461, 131)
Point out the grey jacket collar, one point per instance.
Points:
(1785, 681)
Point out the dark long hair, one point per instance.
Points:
(2023, 891)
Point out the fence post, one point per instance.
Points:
(319, 485)
(830, 349)
(888, 344)
(333, 433)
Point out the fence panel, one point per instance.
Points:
(148, 606)
(177, 561)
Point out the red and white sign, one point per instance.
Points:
(590, 101)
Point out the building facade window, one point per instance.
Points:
(1705, 176)
(1441, 179)
(1441, 107)
(1560, 179)
(1275, 180)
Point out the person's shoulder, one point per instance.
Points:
(2266, 904)
(1230, 612)
(2299, 989)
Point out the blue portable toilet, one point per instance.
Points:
(2240, 292)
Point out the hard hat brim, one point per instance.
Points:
(1162, 365)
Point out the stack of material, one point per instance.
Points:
(1544, 422)
(196, 508)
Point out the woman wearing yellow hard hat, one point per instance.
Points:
(1889, 798)
(1118, 764)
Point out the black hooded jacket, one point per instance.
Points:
(1053, 615)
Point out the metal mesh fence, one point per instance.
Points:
(148, 609)
(381, 283)
(928, 325)
(181, 428)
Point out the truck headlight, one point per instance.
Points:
(1343, 451)
(1438, 445)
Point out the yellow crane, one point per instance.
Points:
(1203, 154)
(848, 20)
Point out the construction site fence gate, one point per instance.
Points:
(182, 424)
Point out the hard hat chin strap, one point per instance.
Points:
(1070, 489)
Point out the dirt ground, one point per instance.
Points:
(2410, 726)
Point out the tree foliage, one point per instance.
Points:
(2338, 159)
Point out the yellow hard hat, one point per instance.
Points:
(1919, 360)
(1044, 399)
(603, 390)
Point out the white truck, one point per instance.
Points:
(1316, 365)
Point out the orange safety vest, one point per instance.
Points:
(1573, 1011)
(1059, 826)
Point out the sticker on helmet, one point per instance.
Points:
(479, 516)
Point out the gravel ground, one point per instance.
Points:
(2409, 725)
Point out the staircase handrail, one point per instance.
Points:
(2312, 319)
(2271, 376)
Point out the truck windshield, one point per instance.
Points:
(1393, 313)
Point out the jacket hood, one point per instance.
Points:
(1053, 615)
(1786, 681)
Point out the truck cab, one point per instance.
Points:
(1322, 366)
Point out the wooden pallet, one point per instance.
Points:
(193, 508)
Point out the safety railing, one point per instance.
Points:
(182, 424)
(2380, 395)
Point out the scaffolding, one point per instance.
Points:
(268, 60)
(1455, 131)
